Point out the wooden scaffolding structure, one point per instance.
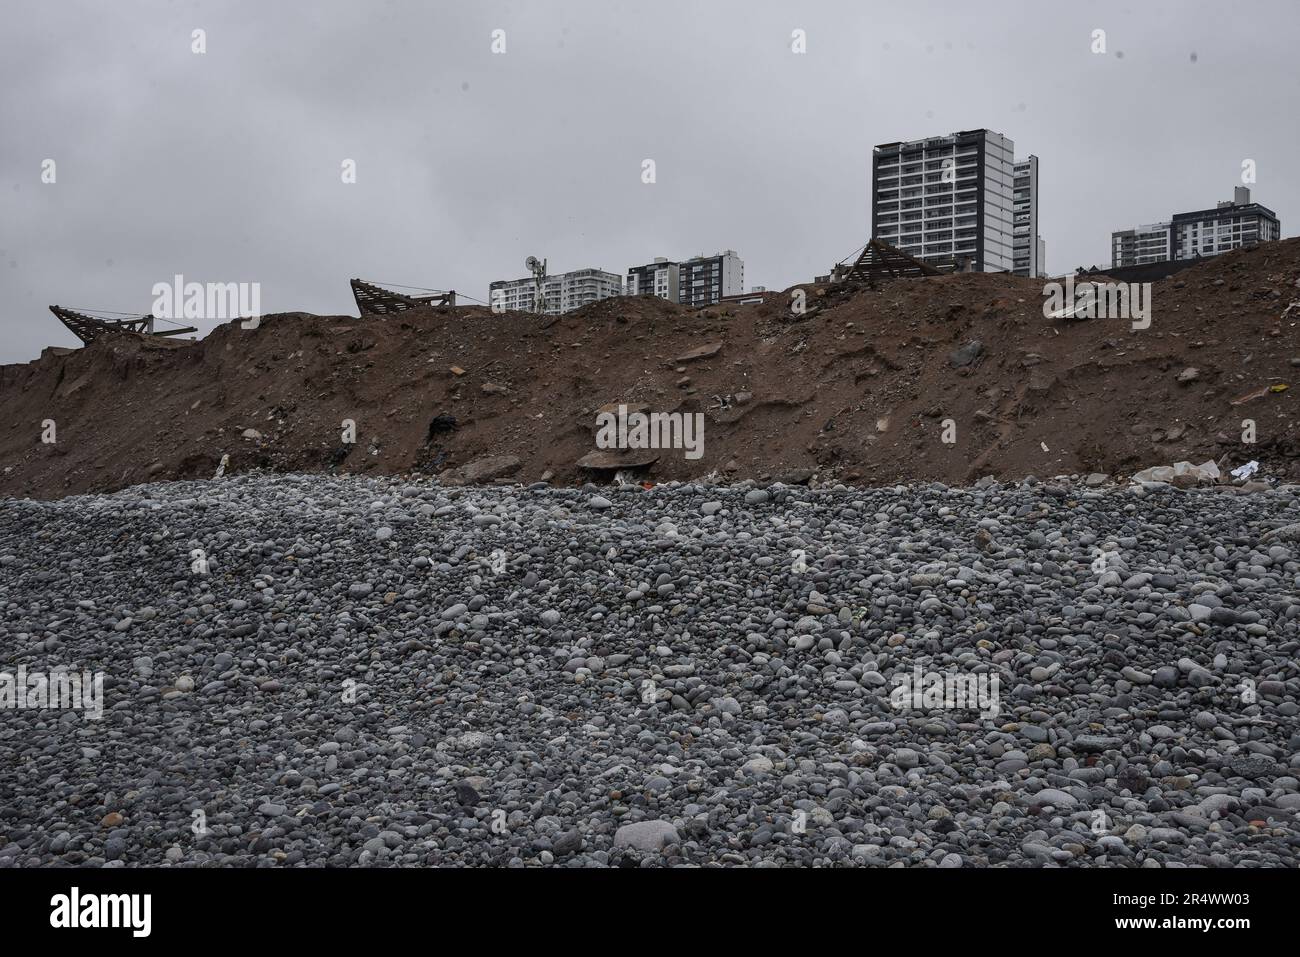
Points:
(377, 301)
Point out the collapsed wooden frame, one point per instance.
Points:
(880, 260)
(378, 301)
(89, 328)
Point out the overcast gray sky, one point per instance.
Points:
(226, 166)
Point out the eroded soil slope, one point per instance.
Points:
(857, 389)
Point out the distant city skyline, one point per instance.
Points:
(471, 150)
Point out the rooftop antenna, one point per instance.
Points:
(538, 269)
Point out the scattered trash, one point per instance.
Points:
(1246, 471)
(1277, 387)
(628, 478)
(221, 469)
(1183, 472)
(1044, 447)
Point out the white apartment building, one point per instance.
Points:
(660, 278)
(564, 292)
(1028, 247)
(947, 200)
(1204, 232)
(703, 280)
(1141, 245)
(1230, 225)
(585, 286)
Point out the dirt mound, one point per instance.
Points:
(862, 387)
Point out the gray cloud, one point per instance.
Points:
(225, 167)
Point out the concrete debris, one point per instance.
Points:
(482, 470)
(1180, 473)
(615, 459)
(703, 352)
